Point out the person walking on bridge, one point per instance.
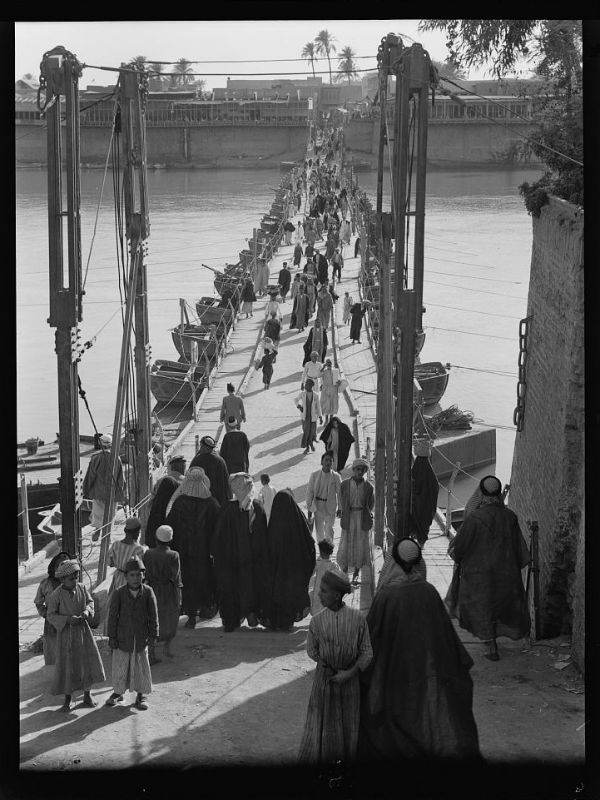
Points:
(266, 364)
(161, 494)
(299, 317)
(325, 305)
(163, 575)
(235, 448)
(312, 370)
(337, 439)
(310, 408)
(193, 518)
(323, 497)
(486, 594)
(241, 556)
(284, 279)
(232, 405)
(215, 469)
(316, 340)
(297, 254)
(97, 481)
(358, 499)
(248, 297)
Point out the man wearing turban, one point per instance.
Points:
(417, 694)
(241, 557)
(486, 594)
(357, 501)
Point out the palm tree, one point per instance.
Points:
(139, 62)
(157, 67)
(181, 70)
(324, 46)
(308, 52)
(346, 67)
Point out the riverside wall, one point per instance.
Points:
(450, 144)
(547, 480)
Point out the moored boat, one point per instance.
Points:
(170, 382)
(203, 335)
(210, 312)
(433, 379)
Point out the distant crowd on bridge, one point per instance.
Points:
(389, 685)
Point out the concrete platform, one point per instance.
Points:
(473, 449)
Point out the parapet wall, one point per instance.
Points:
(547, 481)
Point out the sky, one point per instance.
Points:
(110, 43)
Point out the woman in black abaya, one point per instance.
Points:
(337, 439)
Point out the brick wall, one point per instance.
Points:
(548, 462)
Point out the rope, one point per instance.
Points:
(112, 132)
(470, 333)
(307, 72)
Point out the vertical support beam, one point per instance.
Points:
(421, 76)
(404, 411)
(380, 418)
(383, 58)
(27, 543)
(385, 336)
(400, 166)
(60, 73)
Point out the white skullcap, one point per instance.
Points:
(164, 533)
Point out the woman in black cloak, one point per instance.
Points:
(424, 497)
(357, 313)
(337, 439)
(292, 562)
(158, 510)
(318, 334)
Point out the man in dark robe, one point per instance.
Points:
(322, 268)
(417, 694)
(423, 497)
(235, 449)
(273, 332)
(291, 560)
(344, 442)
(316, 340)
(486, 594)
(193, 516)
(215, 468)
(162, 492)
(284, 280)
(241, 557)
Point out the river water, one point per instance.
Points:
(477, 257)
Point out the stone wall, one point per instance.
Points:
(547, 471)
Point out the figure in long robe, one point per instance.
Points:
(316, 340)
(78, 664)
(357, 312)
(358, 500)
(486, 594)
(193, 517)
(163, 575)
(299, 316)
(158, 510)
(291, 563)
(417, 694)
(424, 496)
(338, 640)
(44, 590)
(214, 467)
(338, 440)
(241, 557)
(234, 451)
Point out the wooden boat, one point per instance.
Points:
(169, 382)
(231, 276)
(269, 225)
(433, 379)
(31, 458)
(210, 312)
(207, 344)
(286, 166)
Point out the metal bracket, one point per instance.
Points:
(78, 484)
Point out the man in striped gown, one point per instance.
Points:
(338, 640)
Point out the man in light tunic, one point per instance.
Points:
(323, 496)
(312, 370)
(96, 484)
(358, 499)
(338, 640)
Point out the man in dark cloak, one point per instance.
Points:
(417, 694)
(215, 469)
(284, 280)
(292, 561)
(241, 557)
(423, 497)
(344, 441)
(272, 330)
(319, 338)
(357, 313)
(193, 516)
(322, 268)
(235, 448)
(161, 494)
(486, 594)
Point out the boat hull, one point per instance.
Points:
(433, 379)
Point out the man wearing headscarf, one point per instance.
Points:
(163, 574)
(358, 499)
(291, 563)
(78, 664)
(161, 494)
(97, 481)
(417, 694)
(45, 589)
(338, 640)
(214, 467)
(486, 594)
(235, 449)
(337, 439)
(241, 557)
(192, 514)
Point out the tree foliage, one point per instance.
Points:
(309, 53)
(324, 46)
(347, 65)
(180, 75)
(448, 69)
(554, 48)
